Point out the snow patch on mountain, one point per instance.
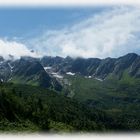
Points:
(88, 77)
(57, 75)
(70, 73)
(1, 62)
(47, 68)
(98, 79)
(10, 79)
(11, 67)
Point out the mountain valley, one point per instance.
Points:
(108, 88)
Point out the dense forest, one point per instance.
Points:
(35, 109)
(23, 108)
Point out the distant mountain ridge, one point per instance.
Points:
(101, 68)
(47, 71)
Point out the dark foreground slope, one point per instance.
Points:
(29, 108)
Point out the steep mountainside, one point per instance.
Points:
(50, 71)
(94, 67)
(27, 71)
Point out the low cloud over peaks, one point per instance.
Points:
(15, 49)
(110, 33)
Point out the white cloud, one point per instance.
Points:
(112, 33)
(15, 49)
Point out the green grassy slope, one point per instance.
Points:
(103, 91)
(118, 98)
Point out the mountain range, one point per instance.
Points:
(49, 71)
(70, 94)
(94, 67)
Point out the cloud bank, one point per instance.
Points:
(111, 33)
(15, 49)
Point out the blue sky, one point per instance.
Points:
(30, 21)
(99, 31)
